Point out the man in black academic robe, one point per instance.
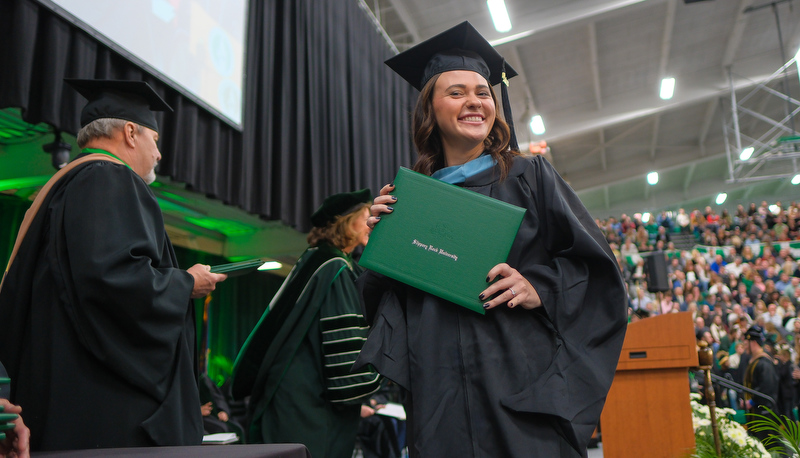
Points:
(99, 329)
(760, 376)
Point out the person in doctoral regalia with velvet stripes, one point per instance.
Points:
(296, 364)
(530, 377)
(98, 327)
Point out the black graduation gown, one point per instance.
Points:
(210, 392)
(762, 376)
(515, 382)
(98, 329)
(786, 388)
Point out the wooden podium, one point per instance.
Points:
(647, 411)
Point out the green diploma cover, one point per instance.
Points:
(441, 238)
(236, 269)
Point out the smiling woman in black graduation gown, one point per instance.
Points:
(530, 377)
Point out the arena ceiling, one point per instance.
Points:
(593, 68)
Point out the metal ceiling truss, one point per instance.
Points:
(775, 143)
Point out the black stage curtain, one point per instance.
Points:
(322, 112)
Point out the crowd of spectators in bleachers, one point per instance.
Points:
(736, 270)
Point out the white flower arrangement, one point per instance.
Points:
(735, 441)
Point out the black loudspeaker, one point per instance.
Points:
(657, 279)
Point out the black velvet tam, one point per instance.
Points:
(339, 204)
(755, 333)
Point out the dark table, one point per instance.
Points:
(200, 451)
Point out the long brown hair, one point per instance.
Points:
(337, 232)
(429, 142)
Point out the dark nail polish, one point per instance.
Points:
(390, 208)
(391, 184)
(486, 305)
(487, 279)
(378, 217)
(510, 305)
(481, 296)
(394, 197)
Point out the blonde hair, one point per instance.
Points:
(337, 232)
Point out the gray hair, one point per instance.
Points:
(101, 128)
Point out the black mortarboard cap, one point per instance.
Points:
(133, 101)
(338, 205)
(459, 48)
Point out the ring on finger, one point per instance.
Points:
(513, 293)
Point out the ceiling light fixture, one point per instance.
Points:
(497, 8)
(721, 198)
(667, 88)
(797, 59)
(537, 125)
(510, 38)
(652, 178)
(746, 153)
(796, 179)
